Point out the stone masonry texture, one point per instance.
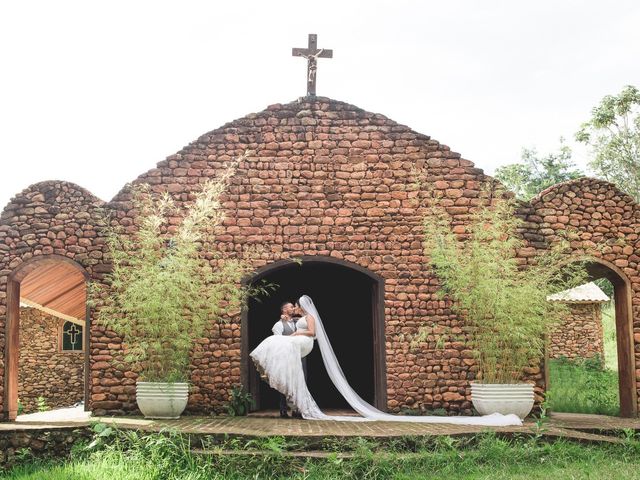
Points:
(322, 178)
(579, 334)
(45, 371)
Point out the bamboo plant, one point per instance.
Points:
(168, 282)
(503, 302)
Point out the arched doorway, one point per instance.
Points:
(350, 300)
(56, 286)
(622, 295)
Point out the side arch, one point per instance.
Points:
(622, 290)
(600, 224)
(12, 330)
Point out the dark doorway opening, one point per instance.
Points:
(349, 303)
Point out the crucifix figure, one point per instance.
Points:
(312, 53)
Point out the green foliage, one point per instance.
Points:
(240, 402)
(41, 404)
(20, 407)
(436, 412)
(605, 285)
(168, 456)
(505, 305)
(609, 334)
(102, 435)
(613, 133)
(168, 283)
(275, 444)
(433, 336)
(22, 455)
(535, 173)
(583, 386)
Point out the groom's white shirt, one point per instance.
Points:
(278, 328)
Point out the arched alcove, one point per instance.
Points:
(54, 283)
(350, 300)
(598, 268)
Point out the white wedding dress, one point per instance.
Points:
(277, 358)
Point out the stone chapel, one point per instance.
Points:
(332, 185)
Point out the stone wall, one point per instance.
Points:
(325, 178)
(580, 334)
(45, 371)
(42, 443)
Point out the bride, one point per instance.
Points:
(277, 358)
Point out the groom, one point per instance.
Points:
(286, 326)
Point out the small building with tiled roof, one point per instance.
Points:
(586, 293)
(580, 334)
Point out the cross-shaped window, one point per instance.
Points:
(71, 337)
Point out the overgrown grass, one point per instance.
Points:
(610, 344)
(133, 455)
(588, 386)
(583, 386)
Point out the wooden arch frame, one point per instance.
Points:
(379, 344)
(622, 294)
(12, 331)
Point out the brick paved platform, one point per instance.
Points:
(590, 428)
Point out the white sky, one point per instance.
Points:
(97, 92)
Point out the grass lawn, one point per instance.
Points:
(582, 387)
(580, 469)
(131, 455)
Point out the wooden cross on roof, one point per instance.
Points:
(312, 53)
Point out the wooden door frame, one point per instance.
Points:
(12, 332)
(379, 343)
(623, 295)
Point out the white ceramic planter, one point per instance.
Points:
(162, 400)
(488, 398)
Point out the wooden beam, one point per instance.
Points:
(379, 345)
(11, 351)
(51, 311)
(626, 357)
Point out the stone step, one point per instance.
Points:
(267, 453)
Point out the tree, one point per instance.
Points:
(535, 173)
(613, 133)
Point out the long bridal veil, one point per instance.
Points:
(370, 412)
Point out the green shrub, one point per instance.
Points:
(240, 402)
(609, 334)
(583, 386)
(41, 404)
